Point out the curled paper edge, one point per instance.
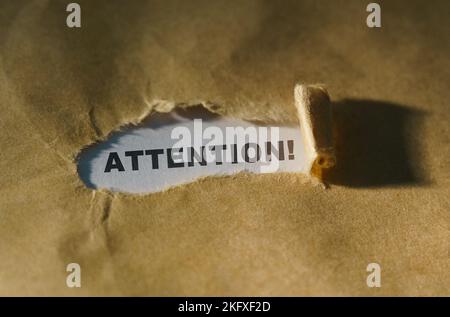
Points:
(313, 108)
(314, 114)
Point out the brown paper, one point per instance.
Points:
(62, 89)
(314, 113)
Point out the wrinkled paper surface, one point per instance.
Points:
(63, 89)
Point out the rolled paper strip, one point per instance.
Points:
(314, 113)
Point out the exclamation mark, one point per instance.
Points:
(290, 144)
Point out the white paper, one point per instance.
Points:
(156, 134)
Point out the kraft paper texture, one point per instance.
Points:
(388, 202)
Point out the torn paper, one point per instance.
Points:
(185, 144)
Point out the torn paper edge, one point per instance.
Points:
(313, 107)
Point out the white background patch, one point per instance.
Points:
(157, 165)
